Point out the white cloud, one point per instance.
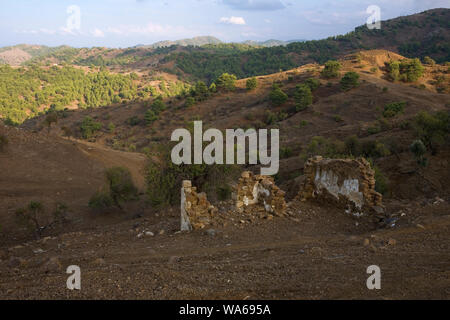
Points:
(233, 20)
(149, 29)
(98, 33)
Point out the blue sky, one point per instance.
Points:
(124, 23)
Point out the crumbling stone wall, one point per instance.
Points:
(258, 190)
(196, 210)
(348, 181)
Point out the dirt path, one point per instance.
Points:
(321, 254)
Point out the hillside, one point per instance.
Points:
(140, 253)
(418, 35)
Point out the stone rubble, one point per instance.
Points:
(196, 210)
(255, 191)
(347, 181)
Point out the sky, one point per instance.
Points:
(125, 23)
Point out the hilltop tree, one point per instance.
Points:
(331, 69)
(251, 84)
(349, 80)
(226, 82)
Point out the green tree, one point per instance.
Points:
(331, 69)
(226, 82)
(303, 97)
(89, 127)
(121, 186)
(349, 80)
(419, 150)
(277, 97)
(251, 83)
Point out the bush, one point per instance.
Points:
(224, 192)
(303, 97)
(312, 83)
(251, 84)
(226, 82)
(285, 152)
(121, 186)
(419, 150)
(394, 108)
(189, 102)
(349, 80)
(150, 117)
(100, 200)
(408, 70)
(381, 182)
(427, 60)
(278, 97)
(331, 69)
(89, 127)
(164, 178)
(433, 129)
(3, 142)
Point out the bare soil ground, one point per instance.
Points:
(318, 253)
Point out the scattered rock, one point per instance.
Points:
(149, 233)
(392, 242)
(15, 262)
(38, 251)
(99, 261)
(53, 265)
(211, 232)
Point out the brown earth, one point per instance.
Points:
(317, 252)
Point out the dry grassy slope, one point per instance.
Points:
(358, 109)
(49, 169)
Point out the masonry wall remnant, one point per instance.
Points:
(347, 181)
(196, 211)
(259, 190)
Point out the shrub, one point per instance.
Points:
(226, 82)
(331, 69)
(189, 102)
(303, 97)
(278, 97)
(89, 127)
(150, 117)
(133, 121)
(432, 129)
(312, 83)
(3, 142)
(419, 150)
(285, 152)
(100, 200)
(121, 186)
(352, 146)
(31, 217)
(394, 108)
(224, 192)
(111, 127)
(251, 84)
(164, 178)
(408, 70)
(349, 80)
(381, 182)
(427, 60)
(52, 117)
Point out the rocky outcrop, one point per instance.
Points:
(196, 211)
(259, 191)
(350, 182)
